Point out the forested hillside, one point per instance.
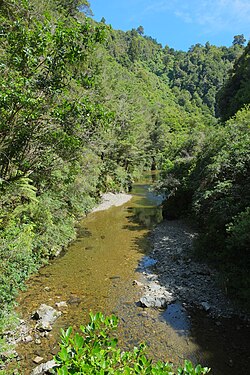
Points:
(85, 109)
(213, 185)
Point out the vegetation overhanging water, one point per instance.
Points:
(96, 274)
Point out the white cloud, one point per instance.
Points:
(213, 15)
(186, 16)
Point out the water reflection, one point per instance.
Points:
(177, 316)
(147, 262)
(148, 217)
(147, 211)
(97, 273)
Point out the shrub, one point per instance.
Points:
(94, 351)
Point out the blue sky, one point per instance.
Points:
(179, 23)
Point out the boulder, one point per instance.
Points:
(46, 316)
(159, 302)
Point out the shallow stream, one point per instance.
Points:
(97, 272)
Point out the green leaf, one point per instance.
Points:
(62, 371)
(63, 354)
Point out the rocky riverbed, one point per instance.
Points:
(168, 278)
(173, 274)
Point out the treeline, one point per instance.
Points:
(195, 76)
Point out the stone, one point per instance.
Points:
(62, 304)
(28, 339)
(138, 283)
(160, 302)
(44, 368)
(46, 315)
(43, 326)
(205, 306)
(74, 300)
(37, 359)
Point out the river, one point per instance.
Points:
(96, 273)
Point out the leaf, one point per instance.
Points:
(63, 371)
(63, 354)
(78, 341)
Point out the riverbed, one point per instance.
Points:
(98, 273)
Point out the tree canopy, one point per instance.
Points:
(85, 109)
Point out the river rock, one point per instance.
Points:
(37, 359)
(46, 316)
(44, 368)
(43, 326)
(28, 338)
(138, 283)
(62, 304)
(205, 306)
(159, 302)
(74, 300)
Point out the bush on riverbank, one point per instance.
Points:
(214, 186)
(53, 132)
(95, 351)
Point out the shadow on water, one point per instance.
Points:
(98, 271)
(177, 316)
(223, 343)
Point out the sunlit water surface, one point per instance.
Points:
(97, 272)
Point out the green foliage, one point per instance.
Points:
(84, 109)
(94, 351)
(200, 72)
(212, 183)
(48, 132)
(236, 91)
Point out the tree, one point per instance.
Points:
(140, 30)
(239, 40)
(72, 7)
(236, 91)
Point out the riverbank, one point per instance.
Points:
(193, 283)
(112, 199)
(20, 330)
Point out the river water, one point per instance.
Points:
(96, 273)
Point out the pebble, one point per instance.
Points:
(61, 304)
(28, 339)
(37, 360)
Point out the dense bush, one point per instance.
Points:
(95, 351)
(213, 185)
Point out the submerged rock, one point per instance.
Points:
(46, 316)
(37, 359)
(73, 300)
(44, 368)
